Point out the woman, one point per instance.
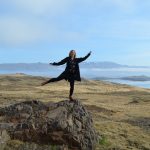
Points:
(72, 71)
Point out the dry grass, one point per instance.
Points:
(118, 110)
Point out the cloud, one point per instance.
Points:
(42, 7)
(33, 21)
(125, 5)
(133, 29)
(17, 31)
(122, 5)
(57, 7)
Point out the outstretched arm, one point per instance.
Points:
(83, 58)
(60, 63)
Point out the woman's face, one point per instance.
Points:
(72, 54)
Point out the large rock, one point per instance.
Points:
(62, 123)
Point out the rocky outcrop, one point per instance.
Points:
(63, 123)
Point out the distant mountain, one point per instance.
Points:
(108, 65)
(25, 66)
(44, 66)
(103, 65)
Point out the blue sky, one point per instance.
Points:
(45, 30)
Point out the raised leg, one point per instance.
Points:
(61, 77)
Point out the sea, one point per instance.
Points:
(97, 73)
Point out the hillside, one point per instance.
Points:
(120, 112)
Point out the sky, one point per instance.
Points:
(46, 30)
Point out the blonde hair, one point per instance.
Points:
(71, 52)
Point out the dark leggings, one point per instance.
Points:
(61, 78)
(71, 87)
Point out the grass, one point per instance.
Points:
(104, 141)
(112, 106)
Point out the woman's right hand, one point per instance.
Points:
(52, 63)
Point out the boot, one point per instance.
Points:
(71, 99)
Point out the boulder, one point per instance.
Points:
(63, 123)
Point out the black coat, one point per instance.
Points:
(66, 74)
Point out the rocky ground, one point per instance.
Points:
(121, 113)
(64, 123)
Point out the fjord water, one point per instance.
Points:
(144, 84)
(96, 73)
